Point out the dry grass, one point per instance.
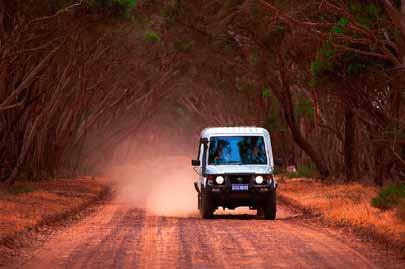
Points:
(29, 204)
(346, 204)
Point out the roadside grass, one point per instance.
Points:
(391, 197)
(26, 205)
(19, 189)
(350, 205)
(303, 171)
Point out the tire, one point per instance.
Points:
(270, 207)
(206, 208)
(260, 213)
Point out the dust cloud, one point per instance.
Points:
(162, 185)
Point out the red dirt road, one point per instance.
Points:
(118, 236)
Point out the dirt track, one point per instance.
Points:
(118, 236)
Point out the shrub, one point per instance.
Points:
(20, 189)
(390, 197)
(278, 171)
(151, 36)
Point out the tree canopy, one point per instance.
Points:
(79, 78)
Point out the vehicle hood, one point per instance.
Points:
(238, 169)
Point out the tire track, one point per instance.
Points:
(118, 236)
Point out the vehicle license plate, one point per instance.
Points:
(240, 187)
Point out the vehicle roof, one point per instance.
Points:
(207, 132)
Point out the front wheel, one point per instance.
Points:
(270, 207)
(206, 207)
(260, 212)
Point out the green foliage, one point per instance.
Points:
(343, 22)
(266, 92)
(253, 59)
(171, 11)
(124, 7)
(183, 46)
(394, 132)
(151, 36)
(373, 10)
(221, 84)
(353, 63)
(303, 171)
(275, 35)
(304, 107)
(330, 65)
(323, 63)
(20, 189)
(274, 122)
(121, 8)
(365, 13)
(355, 68)
(390, 197)
(340, 25)
(337, 29)
(149, 3)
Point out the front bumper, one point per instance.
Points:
(254, 196)
(252, 189)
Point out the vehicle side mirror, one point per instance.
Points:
(204, 140)
(195, 162)
(278, 162)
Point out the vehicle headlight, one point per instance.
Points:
(259, 180)
(219, 180)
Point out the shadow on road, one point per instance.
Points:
(238, 217)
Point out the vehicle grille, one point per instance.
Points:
(239, 179)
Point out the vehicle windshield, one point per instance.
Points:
(239, 150)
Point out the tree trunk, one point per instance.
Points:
(285, 100)
(379, 166)
(2, 19)
(349, 142)
(7, 10)
(27, 143)
(309, 150)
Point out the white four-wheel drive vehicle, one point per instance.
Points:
(235, 167)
